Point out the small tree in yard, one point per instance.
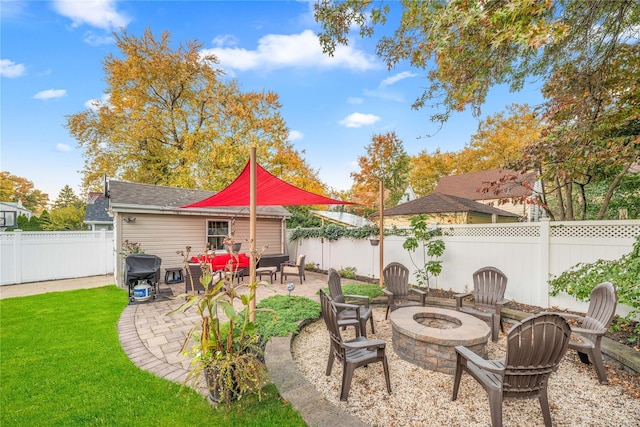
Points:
(432, 249)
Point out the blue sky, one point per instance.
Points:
(51, 67)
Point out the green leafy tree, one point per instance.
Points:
(67, 218)
(586, 54)
(302, 217)
(432, 249)
(66, 198)
(172, 119)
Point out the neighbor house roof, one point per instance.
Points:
(97, 211)
(443, 203)
(470, 185)
(343, 218)
(133, 197)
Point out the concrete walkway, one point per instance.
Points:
(152, 337)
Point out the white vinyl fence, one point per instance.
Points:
(33, 256)
(528, 253)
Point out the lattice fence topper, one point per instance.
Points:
(514, 231)
(565, 230)
(614, 231)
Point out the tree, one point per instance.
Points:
(464, 46)
(66, 197)
(67, 218)
(172, 120)
(499, 141)
(585, 52)
(386, 159)
(14, 188)
(67, 213)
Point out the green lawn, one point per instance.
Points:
(61, 364)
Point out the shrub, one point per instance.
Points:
(289, 311)
(624, 273)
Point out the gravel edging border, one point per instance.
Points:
(317, 411)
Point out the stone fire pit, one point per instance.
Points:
(427, 336)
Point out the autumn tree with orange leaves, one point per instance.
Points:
(171, 119)
(386, 159)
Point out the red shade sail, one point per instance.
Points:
(270, 191)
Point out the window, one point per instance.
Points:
(216, 233)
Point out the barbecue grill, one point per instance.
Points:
(141, 269)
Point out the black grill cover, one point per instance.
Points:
(142, 267)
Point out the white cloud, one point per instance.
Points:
(51, 93)
(295, 135)
(394, 79)
(95, 104)
(357, 120)
(10, 69)
(12, 8)
(96, 13)
(355, 101)
(385, 95)
(62, 147)
(296, 51)
(95, 40)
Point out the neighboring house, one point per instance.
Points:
(9, 213)
(97, 213)
(342, 218)
(152, 216)
(445, 209)
(408, 195)
(474, 186)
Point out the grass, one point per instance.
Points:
(289, 311)
(371, 290)
(62, 364)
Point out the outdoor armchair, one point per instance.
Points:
(294, 269)
(590, 329)
(489, 285)
(346, 310)
(353, 353)
(396, 282)
(534, 349)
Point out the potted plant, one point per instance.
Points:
(226, 347)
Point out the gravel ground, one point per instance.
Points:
(422, 397)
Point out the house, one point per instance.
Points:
(511, 195)
(97, 213)
(151, 216)
(446, 209)
(9, 213)
(408, 195)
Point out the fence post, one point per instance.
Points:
(545, 251)
(103, 245)
(17, 254)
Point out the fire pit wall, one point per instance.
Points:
(427, 336)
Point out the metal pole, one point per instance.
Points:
(252, 233)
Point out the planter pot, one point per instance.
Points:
(216, 391)
(236, 248)
(374, 242)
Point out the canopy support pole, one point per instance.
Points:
(381, 246)
(252, 234)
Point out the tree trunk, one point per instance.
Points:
(612, 187)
